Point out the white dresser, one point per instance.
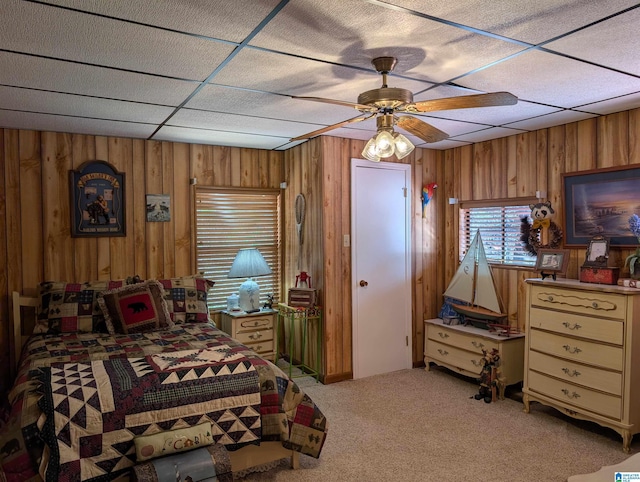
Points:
(459, 348)
(583, 352)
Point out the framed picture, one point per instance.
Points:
(97, 200)
(600, 202)
(553, 261)
(597, 252)
(158, 208)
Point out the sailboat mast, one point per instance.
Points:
(475, 278)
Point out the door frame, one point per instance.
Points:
(408, 322)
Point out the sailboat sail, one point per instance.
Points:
(473, 283)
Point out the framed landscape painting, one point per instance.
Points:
(599, 202)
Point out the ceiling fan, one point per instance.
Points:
(386, 102)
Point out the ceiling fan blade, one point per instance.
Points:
(463, 102)
(331, 127)
(421, 129)
(362, 107)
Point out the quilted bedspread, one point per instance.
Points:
(80, 399)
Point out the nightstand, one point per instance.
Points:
(255, 330)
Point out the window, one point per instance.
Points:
(499, 225)
(227, 220)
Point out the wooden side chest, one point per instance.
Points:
(582, 355)
(256, 330)
(459, 348)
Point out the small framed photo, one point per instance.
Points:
(158, 208)
(553, 261)
(597, 252)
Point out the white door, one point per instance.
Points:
(381, 267)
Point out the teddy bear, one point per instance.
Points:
(543, 232)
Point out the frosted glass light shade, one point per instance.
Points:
(403, 146)
(369, 151)
(384, 144)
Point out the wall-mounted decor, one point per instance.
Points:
(158, 208)
(97, 200)
(600, 202)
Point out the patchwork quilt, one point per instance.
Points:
(81, 398)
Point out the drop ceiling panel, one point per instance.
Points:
(74, 125)
(222, 19)
(553, 80)
(219, 138)
(354, 31)
(56, 76)
(69, 35)
(550, 120)
(614, 43)
(487, 134)
(37, 101)
(618, 104)
(526, 20)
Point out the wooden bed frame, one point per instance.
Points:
(247, 458)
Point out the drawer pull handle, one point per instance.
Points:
(477, 363)
(258, 348)
(443, 352)
(550, 298)
(256, 336)
(477, 345)
(574, 373)
(575, 349)
(594, 304)
(570, 395)
(574, 327)
(443, 335)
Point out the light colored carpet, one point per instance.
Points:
(414, 425)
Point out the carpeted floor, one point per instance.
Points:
(414, 425)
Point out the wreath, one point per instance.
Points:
(531, 236)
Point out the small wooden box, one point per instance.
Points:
(606, 275)
(305, 297)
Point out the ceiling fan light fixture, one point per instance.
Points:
(369, 151)
(403, 146)
(385, 146)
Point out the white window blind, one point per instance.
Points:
(227, 220)
(500, 230)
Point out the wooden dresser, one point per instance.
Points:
(583, 352)
(459, 348)
(256, 330)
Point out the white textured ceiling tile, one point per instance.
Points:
(523, 20)
(625, 102)
(488, 134)
(58, 76)
(442, 145)
(74, 125)
(613, 43)
(550, 120)
(80, 106)
(553, 80)
(75, 36)
(218, 138)
(354, 32)
(223, 19)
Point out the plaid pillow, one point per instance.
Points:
(186, 298)
(135, 308)
(71, 307)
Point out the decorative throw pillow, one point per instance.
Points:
(72, 307)
(135, 308)
(186, 298)
(179, 440)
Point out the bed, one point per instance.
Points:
(83, 400)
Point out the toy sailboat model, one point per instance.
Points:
(473, 284)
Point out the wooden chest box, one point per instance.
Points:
(606, 275)
(303, 297)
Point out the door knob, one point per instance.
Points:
(363, 283)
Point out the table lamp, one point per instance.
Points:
(249, 263)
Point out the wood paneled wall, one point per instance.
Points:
(35, 205)
(34, 202)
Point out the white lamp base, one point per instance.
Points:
(249, 296)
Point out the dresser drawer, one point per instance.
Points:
(255, 322)
(262, 347)
(461, 340)
(461, 359)
(576, 349)
(599, 329)
(591, 377)
(601, 403)
(609, 305)
(254, 336)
